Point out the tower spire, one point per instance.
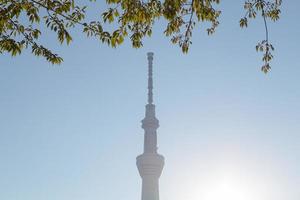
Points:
(150, 163)
(150, 79)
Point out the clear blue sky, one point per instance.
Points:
(72, 132)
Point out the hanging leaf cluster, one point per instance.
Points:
(267, 10)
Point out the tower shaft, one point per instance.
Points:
(150, 163)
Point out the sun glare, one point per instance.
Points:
(224, 183)
(228, 187)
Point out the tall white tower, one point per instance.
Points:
(150, 163)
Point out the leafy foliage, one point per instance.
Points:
(20, 22)
(267, 9)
